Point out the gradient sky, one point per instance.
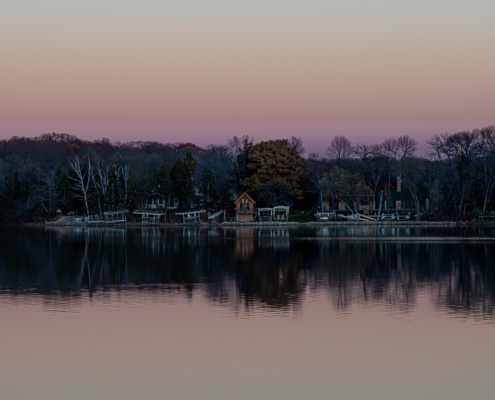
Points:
(204, 70)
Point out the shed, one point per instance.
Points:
(244, 208)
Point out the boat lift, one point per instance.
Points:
(115, 217)
(213, 217)
(149, 216)
(191, 216)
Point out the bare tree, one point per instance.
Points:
(407, 146)
(487, 176)
(345, 187)
(83, 178)
(437, 145)
(102, 182)
(125, 173)
(400, 148)
(238, 150)
(365, 151)
(340, 148)
(216, 159)
(316, 166)
(448, 146)
(48, 191)
(372, 168)
(414, 179)
(458, 151)
(296, 143)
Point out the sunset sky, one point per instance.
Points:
(204, 70)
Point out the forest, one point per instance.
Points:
(61, 172)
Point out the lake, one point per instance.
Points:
(247, 313)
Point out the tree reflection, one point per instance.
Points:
(248, 267)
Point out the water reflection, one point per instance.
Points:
(254, 267)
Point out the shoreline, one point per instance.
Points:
(388, 224)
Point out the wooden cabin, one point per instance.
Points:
(244, 209)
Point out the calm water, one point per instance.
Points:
(356, 313)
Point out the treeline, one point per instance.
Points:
(454, 181)
(41, 175)
(54, 171)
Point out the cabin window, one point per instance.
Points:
(408, 204)
(244, 206)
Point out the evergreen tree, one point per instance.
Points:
(182, 174)
(160, 184)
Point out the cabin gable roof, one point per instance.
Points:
(244, 196)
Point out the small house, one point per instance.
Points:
(244, 209)
(395, 199)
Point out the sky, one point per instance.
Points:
(204, 70)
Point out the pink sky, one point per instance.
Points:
(269, 69)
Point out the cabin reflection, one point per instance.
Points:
(245, 242)
(271, 238)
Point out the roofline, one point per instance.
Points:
(235, 202)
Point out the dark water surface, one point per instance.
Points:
(247, 313)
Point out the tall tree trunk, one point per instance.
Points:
(488, 194)
(380, 206)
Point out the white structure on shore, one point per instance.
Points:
(278, 213)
